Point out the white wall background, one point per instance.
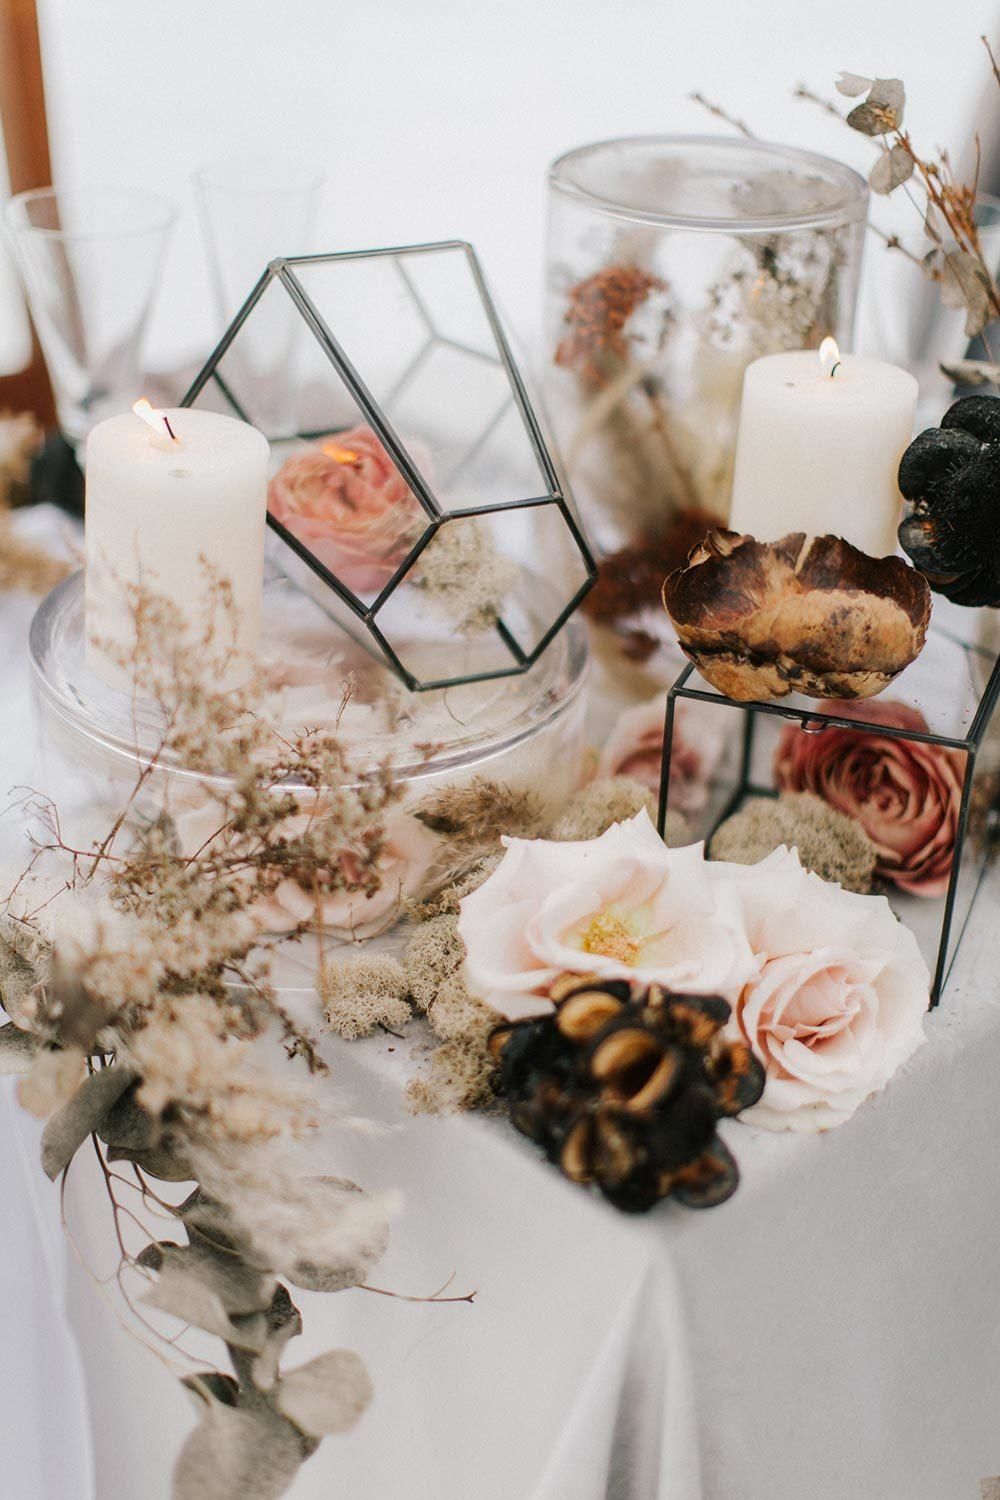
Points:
(438, 117)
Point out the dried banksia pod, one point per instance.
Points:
(623, 1086)
(951, 476)
(809, 615)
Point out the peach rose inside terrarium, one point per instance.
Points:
(345, 499)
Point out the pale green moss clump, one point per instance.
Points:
(830, 843)
(434, 953)
(361, 994)
(612, 799)
(458, 1079)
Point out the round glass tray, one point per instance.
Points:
(423, 735)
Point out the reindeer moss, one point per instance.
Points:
(458, 1079)
(360, 994)
(612, 799)
(434, 953)
(830, 843)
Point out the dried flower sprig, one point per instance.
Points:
(138, 989)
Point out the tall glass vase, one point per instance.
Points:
(672, 263)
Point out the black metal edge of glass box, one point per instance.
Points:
(282, 269)
(745, 787)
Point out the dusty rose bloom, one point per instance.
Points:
(346, 500)
(905, 794)
(839, 1001)
(635, 748)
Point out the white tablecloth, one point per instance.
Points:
(831, 1333)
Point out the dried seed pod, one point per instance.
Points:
(623, 1087)
(950, 474)
(810, 615)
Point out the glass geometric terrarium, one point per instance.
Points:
(412, 492)
(918, 767)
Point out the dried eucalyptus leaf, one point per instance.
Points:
(336, 1275)
(971, 372)
(892, 168)
(240, 1288)
(70, 1126)
(852, 84)
(180, 1291)
(882, 111)
(207, 1219)
(161, 1161)
(17, 1049)
(965, 283)
(327, 1395)
(127, 1125)
(284, 1322)
(254, 1454)
(212, 1385)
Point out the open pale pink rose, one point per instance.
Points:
(621, 906)
(635, 748)
(905, 794)
(346, 500)
(839, 1001)
(408, 850)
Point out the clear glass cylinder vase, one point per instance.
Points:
(673, 262)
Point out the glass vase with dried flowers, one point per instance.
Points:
(672, 263)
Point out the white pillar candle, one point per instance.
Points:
(819, 444)
(164, 491)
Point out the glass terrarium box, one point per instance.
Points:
(917, 768)
(673, 262)
(412, 493)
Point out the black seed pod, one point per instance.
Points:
(951, 476)
(623, 1087)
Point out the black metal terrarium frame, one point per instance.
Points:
(283, 270)
(816, 720)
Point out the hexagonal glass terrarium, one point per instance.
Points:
(412, 492)
(925, 754)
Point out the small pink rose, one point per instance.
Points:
(635, 748)
(839, 1001)
(905, 794)
(350, 505)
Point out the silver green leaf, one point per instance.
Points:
(17, 1049)
(253, 1454)
(240, 1288)
(892, 168)
(161, 1161)
(284, 1322)
(18, 977)
(339, 1274)
(70, 1126)
(882, 111)
(327, 1395)
(127, 1125)
(852, 84)
(972, 372)
(965, 283)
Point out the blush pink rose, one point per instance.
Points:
(839, 1001)
(350, 505)
(620, 906)
(905, 794)
(635, 748)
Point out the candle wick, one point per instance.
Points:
(836, 367)
(166, 423)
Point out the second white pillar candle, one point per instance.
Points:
(818, 452)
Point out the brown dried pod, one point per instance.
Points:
(811, 615)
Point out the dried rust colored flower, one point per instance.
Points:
(810, 615)
(599, 309)
(951, 476)
(623, 1086)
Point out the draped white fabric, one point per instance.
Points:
(833, 1331)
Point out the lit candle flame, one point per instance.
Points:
(158, 420)
(339, 454)
(829, 356)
